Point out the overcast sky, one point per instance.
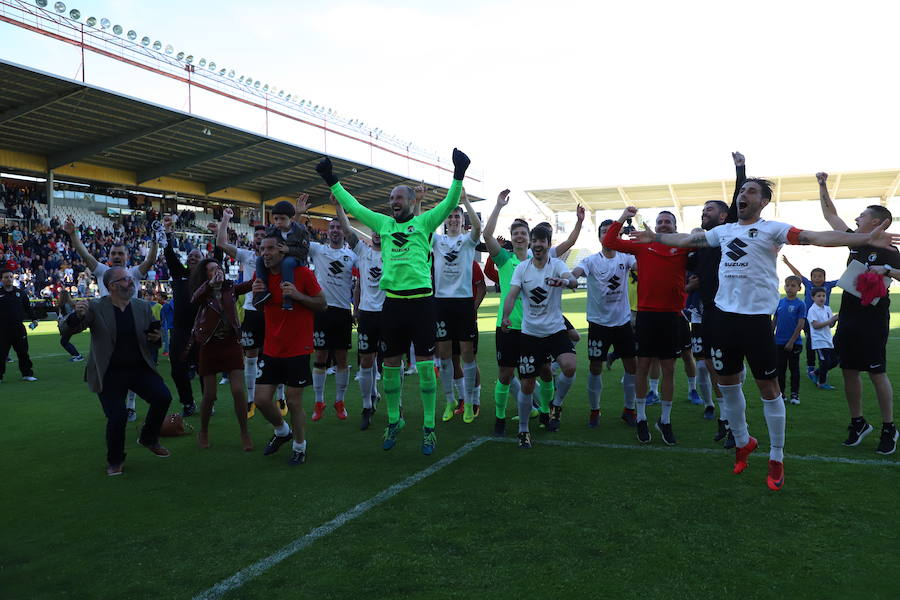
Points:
(555, 94)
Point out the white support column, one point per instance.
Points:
(676, 203)
(778, 198)
(891, 191)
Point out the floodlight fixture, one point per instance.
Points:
(189, 59)
(231, 74)
(281, 94)
(212, 66)
(256, 84)
(74, 14)
(202, 62)
(41, 3)
(117, 29)
(60, 7)
(157, 45)
(145, 41)
(179, 57)
(266, 88)
(91, 22)
(105, 23)
(170, 49)
(131, 35)
(222, 72)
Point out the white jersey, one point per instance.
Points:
(134, 272)
(541, 304)
(371, 296)
(334, 272)
(819, 338)
(748, 280)
(453, 258)
(607, 287)
(246, 260)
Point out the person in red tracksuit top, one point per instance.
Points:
(661, 297)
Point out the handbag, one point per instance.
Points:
(173, 426)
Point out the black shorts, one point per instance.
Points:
(454, 319)
(734, 336)
(507, 345)
(535, 352)
(697, 346)
(601, 337)
(331, 330)
(368, 332)
(253, 330)
(658, 335)
(292, 371)
(405, 321)
(684, 334)
(861, 342)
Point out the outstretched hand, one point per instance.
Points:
(69, 225)
(881, 238)
(503, 198)
(420, 192)
(325, 171)
(227, 214)
(303, 203)
(644, 236)
(579, 213)
(461, 162)
(821, 177)
(739, 160)
(628, 213)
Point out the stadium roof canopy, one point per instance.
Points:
(84, 133)
(855, 184)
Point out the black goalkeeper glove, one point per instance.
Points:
(324, 171)
(460, 164)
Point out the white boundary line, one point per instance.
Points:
(263, 565)
(706, 451)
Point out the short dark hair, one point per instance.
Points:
(542, 231)
(602, 225)
(259, 228)
(817, 290)
(718, 204)
(818, 270)
(765, 186)
(880, 212)
(666, 212)
(519, 223)
(793, 278)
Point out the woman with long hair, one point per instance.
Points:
(64, 307)
(217, 334)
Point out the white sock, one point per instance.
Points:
(319, 384)
(775, 421)
(341, 381)
(641, 405)
(279, 392)
(299, 446)
(705, 383)
(250, 376)
(736, 409)
(283, 430)
(469, 374)
(524, 405)
(476, 399)
(743, 375)
(563, 383)
(692, 384)
(129, 400)
(628, 390)
(459, 386)
(594, 389)
(366, 381)
(514, 387)
(666, 413)
(654, 386)
(412, 355)
(447, 380)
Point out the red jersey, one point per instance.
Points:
(289, 332)
(661, 271)
(490, 270)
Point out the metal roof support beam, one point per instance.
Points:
(293, 188)
(178, 164)
(23, 109)
(236, 180)
(626, 201)
(77, 153)
(778, 197)
(891, 191)
(837, 186)
(725, 197)
(676, 203)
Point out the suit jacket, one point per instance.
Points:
(101, 320)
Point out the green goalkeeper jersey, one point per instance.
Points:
(406, 246)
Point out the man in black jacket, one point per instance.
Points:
(14, 307)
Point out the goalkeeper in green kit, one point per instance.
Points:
(408, 311)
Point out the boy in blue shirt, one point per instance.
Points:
(167, 320)
(816, 280)
(788, 322)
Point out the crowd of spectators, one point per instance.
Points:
(17, 201)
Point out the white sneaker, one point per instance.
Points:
(377, 375)
(29, 378)
(78, 358)
(223, 381)
(329, 371)
(357, 376)
(411, 371)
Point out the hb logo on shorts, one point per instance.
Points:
(716, 354)
(526, 365)
(259, 368)
(697, 345)
(247, 339)
(441, 330)
(319, 338)
(595, 349)
(363, 342)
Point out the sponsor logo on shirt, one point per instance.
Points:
(401, 239)
(736, 249)
(375, 273)
(451, 256)
(538, 295)
(614, 283)
(336, 267)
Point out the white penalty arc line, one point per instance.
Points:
(706, 451)
(263, 565)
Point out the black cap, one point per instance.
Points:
(284, 208)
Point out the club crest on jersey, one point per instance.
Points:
(753, 232)
(411, 229)
(345, 258)
(872, 257)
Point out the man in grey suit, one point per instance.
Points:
(124, 339)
